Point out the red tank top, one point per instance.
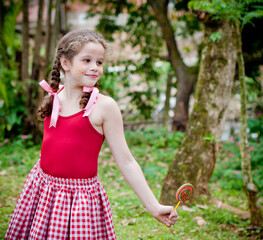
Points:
(71, 149)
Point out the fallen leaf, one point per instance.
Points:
(201, 206)
(200, 221)
(126, 222)
(162, 164)
(124, 194)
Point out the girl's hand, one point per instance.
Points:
(166, 215)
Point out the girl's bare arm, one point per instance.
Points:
(114, 134)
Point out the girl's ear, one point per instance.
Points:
(65, 63)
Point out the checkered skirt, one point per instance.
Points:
(61, 208)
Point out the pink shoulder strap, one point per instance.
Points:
(92, 100)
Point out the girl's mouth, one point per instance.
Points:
(91, 75)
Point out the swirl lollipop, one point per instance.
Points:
(184, 193)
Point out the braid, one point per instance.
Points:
(45, 108)
(55, 74)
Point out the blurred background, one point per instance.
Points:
(174, 69)
(139, 74)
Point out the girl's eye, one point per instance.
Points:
(99, 62)
(87, 60)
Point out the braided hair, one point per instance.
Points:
(68, 46)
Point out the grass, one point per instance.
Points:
(131, 220)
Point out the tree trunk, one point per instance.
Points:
(249, 187)
(195, 159)
(55, 29)
(32, 124)
(25, 42)
(167, 101)
(3, 46)
(38, 41)
(185, 76)
(48, 33)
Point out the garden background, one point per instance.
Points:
(188, 78)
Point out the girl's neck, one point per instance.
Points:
(70, 98)
(72, 92)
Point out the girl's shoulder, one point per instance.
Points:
(107, 104)
(106, 101)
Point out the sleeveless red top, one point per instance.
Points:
(71, 149)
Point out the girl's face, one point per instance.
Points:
(86, 67)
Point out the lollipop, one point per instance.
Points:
(184, 193)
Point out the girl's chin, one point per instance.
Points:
(89, 84)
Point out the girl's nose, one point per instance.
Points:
(94, 66)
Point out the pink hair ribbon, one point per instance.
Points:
(56, 103)
(92, 100)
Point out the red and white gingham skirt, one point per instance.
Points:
(61, 208)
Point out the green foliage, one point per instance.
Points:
(222, 216)
(12, 92)
(110, 83)
(9, 43)
(152, 137)
(228, 171)
(12, 103)
(215, 36)
(19, 152)
(239, 11)
(107, 26)
(211, 138)
(255, 125)
(254, 91)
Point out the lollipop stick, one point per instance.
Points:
(174, 209)
(177, 205)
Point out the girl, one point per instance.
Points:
(62, 197)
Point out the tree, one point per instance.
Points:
(248, 184)
(185, 75)
(25, 42)
(2, 41)
(31, 122)
(48, 34)
(32, 86)
(32, 125)
(56, 28)
(195, 159)
(38, 40)
(231, 15)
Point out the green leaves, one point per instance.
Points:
(251, 15)
(240, 11)
(12, 102)
(3, 94)
(211, 138)
(215, 36)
